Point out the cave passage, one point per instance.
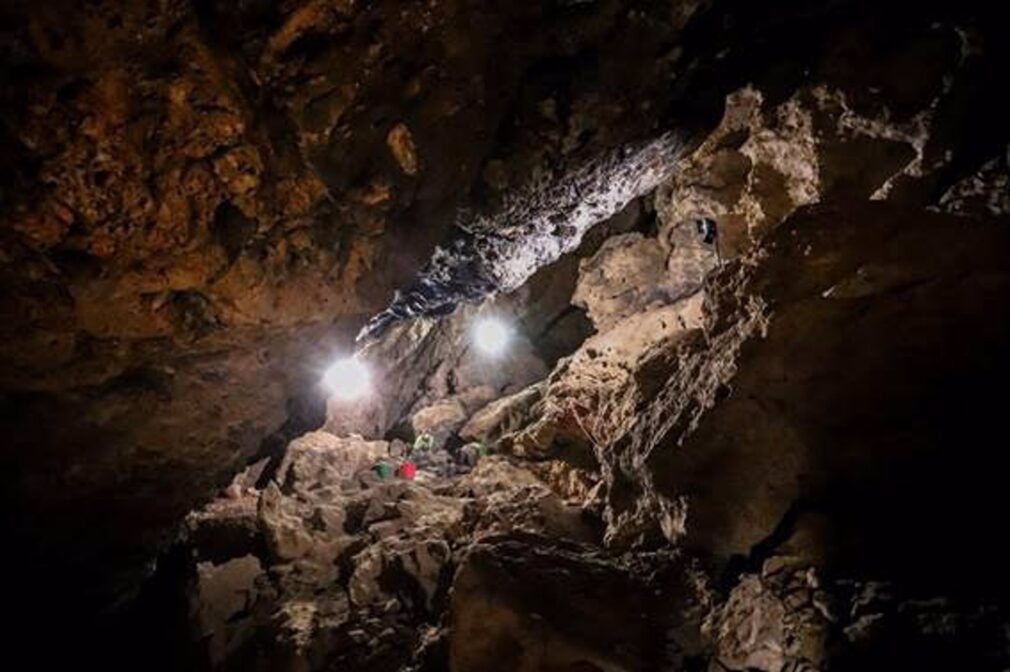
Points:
(553, 336)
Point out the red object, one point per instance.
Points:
(408, 470)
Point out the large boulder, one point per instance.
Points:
(627, 275)
(224, 595)
(529, 605)
(320, 459)
(790, 616)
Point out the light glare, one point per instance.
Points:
(348, 379)
(491, 335)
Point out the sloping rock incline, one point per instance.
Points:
(847, 375)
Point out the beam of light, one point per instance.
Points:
(491, 335)
(348, 379)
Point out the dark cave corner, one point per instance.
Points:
(564, 336)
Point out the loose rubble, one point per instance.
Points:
(339, 561)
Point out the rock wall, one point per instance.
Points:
(776, 501)
(747, 424)
(202, 202)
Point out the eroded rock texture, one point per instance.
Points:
(331, 565)
(203, 201)
(756, 256)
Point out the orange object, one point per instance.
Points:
(407, 470)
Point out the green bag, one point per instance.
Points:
(383, 470)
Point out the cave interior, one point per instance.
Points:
(459, 335)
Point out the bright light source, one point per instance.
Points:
(348, 379)
(491, 335)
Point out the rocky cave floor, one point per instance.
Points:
(330, 566)
(756, 256)
(567, 546)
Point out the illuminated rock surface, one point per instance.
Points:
(751, 420)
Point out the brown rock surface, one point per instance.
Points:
(200, 196)
(524, 605)
(779, 450)
(818, 338)
(351, 567)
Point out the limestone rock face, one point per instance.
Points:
(864, 330)
(503, 415)
(224, 593)
(827, 140)
(201, 202)
(751, 421)
(810, 425)
(625, 276)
